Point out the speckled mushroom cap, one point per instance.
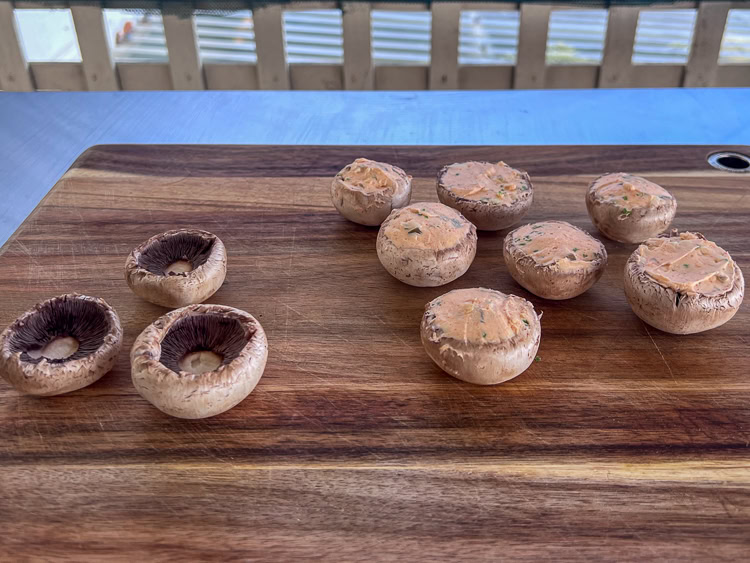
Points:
(628, 208)
(426, 244)
(366, 191)
(157, 354)
(683, 283)
(147, 269)
(481, 335)
(92, 324)
(554, 259)
(492, 196)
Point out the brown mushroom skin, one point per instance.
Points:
(425, 265)
(631, 225)
(550, 282)
(180, 289)
(193, 396)
(46, 379)
(674, 312)
(487, 216)
(370, 207)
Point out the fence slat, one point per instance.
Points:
(617, 65)
(98, 67)
(703, 63)
(532, 46)
(444, 46)
(268, 25)
(67, 77)
(230, 76)
(144, 76)
(184, 58)
(358, 71)
(14, 72)
(401, 77)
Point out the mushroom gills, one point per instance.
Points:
(64, 330)
(202, 343)
(176, 255)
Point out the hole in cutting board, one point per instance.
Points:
(730, 161)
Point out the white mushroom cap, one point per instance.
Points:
(163, 353)
(481, 335)
(554, 259)
(177, 268)
(366, 191)
(426, 244)
(683, 283)
(629, 208)
(62, 344)
(492, 196)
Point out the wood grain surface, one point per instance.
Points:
(623, 443)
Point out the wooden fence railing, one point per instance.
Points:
(186, 71)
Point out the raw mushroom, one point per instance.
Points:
(683, 283)
(492, 196)
(426, 244)
(629, 208)
(177, 268)
(200, 360)
(366, 191)
(481, 335)
(62, 344)
(554, 259)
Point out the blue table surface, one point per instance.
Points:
(42, 133)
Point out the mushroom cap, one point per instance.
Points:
(678, 299)
(90, 320)
(146, 265)
(426, 244)
(366, 191)
(492, 196)
(481, 335)
(629, 208)
(554, 259)
(156, 354)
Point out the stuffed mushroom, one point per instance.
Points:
(481, 335)
(629, 208)
(683, 283)
(492, 196)
(554, 259)
(366, 191)
(426, 244)
(61, 345)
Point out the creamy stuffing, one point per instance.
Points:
(558, 244)
(495, 184)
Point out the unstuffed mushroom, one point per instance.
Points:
(629, 208)
(554, 259)
(366, 191)
(481, 335)
(200, 360)
(177, 268)
(426, 244)
(62, 344)
(683, 283)
(492, 196)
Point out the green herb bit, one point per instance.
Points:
(524, 188)
(686, 265)
(481, 315)
(626, 212)
(500, 193)
(585, 255)
(457, 173)
(484, 334)
(522, 244)
(575, 250)
(538, 359)
(416, 230)
(526, 322)
(537, 250)
(625, 197)
(456, 223)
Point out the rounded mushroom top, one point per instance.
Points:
(372, 177)
(426, 226)
(557, 244)
(494, 184)
(687, 263)
(480, 316)
(628, 192)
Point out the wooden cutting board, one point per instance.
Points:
(622, 443)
